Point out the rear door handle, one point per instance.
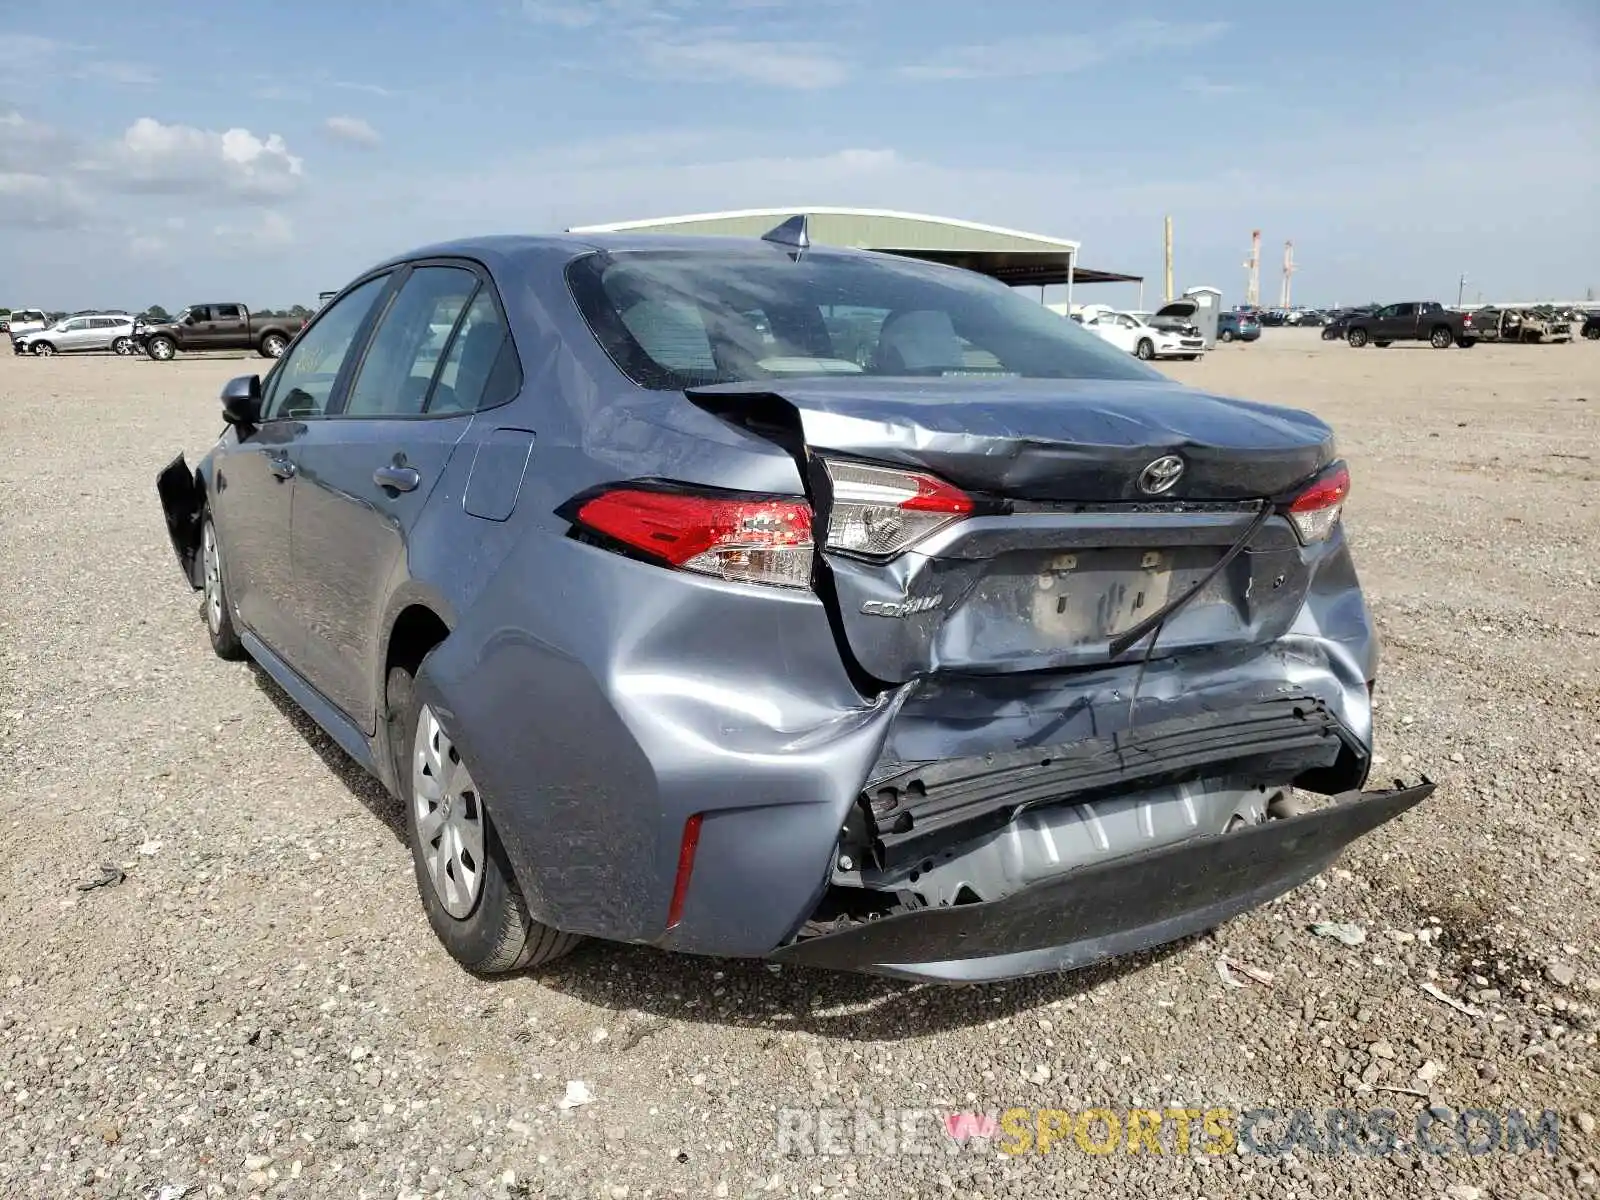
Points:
(281, 467)
(399, 479)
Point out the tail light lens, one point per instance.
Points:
(745, 540)
(1315, 512)
(880, 511)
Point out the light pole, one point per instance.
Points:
(1461, 287)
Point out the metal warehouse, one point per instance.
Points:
(1009, 255)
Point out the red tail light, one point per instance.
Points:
(880, 511)
(1315, 512)
(747, 540)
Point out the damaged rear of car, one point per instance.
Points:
(860, 613)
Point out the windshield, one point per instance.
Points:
(674, 320)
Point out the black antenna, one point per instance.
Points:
(792, 233)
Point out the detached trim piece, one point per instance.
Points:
(1272, 739)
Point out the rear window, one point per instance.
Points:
(674, 320)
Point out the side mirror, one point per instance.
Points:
(241, 400)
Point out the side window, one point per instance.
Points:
(76, 325)
(226, 312)
(401, 360)
(198, 313)
(304, 378)
(480, 368)
(1405, 310)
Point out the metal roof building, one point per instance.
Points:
(1009, 255)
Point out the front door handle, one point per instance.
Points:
(398, 479)
(281, 467)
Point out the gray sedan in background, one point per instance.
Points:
(746, 597)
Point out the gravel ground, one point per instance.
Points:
(259, 1007)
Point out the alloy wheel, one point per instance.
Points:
(212, 560)
(449, 816)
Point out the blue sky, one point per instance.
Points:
(267, 152)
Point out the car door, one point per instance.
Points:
(1401, 324)
(253, 488)
(1108, 327)
(230, 328)
(74, 335)
(366, 473)
(101, 331)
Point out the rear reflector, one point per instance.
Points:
(733, 538)
(680, 884)
(1316, 511)
(880, 511)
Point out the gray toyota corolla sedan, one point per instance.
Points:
(748, 597)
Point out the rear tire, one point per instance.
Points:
(1145, 350)
(1357, 338)
(123, 347)
(1441, 338)
(216, 608)
(468, 888)
(272, 345)
(1225, 336)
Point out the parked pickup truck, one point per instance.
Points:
(1414, 321)
(216, 327)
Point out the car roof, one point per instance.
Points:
(504, 250)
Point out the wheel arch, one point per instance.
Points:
(418, 623)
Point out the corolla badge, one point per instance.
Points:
(906, 608)
(1160, 475)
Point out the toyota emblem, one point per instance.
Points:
(1161, 475)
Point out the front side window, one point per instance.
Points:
(672, 320)
(400, 363)
(198, 313)
(304, 378)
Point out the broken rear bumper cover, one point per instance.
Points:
(1111, 908)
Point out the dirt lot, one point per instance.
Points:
(260, 1007)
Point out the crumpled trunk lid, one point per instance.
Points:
(1065, 549)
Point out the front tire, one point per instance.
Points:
(468, 888)
(1592, 335)
(1357, 338)
(216, 606)
(42, 349)
(161, 349)
(1225, 336)
(1145, 350)
(272, 345)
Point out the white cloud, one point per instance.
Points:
(153, 157)
(371, 89)
(1061, 54)
(799, 65)
(353, 130)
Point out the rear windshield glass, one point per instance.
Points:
(673, 320)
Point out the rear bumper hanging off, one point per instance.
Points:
(1093, 913)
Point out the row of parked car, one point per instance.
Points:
(1431, 322)
(198, 327)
